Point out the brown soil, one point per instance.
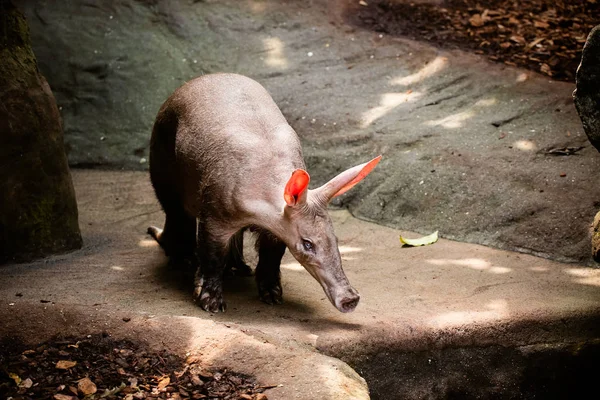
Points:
(97, 367)
(546, 36)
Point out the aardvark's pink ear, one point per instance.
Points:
(296, 188)
(347, 179)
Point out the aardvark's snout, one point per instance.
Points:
(346, 300)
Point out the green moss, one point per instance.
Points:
(36, 195)
(40, 216)
(15, 49)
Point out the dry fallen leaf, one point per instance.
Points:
(476, 20)
(65, 364)
(518, 39)
(26, 384)
(535, 42)
(59, 396)
(261, 396)
(545, 68)
(164, 383)
(422, 241)
(196, 380)
(15, 378)
(86, 386)
(513, 21)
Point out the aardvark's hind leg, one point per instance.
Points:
(235, 256)
(212, 252)
(178, 238)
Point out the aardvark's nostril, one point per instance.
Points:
(349, 303)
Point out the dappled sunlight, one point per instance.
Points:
(585, 276)
(258, 7)
(312, 339)
(452, 121)
(274, 53)
(293, 266)
(457, 120)
(495, 310)
(525, 145)
(332, 379)
(486, 102)
(147, 243)
(539, 269)
(348, 249)
(433, 67)
(473, 263)
(388, 102)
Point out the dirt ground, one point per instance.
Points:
(541, 35)
(97, 366)
(471, 310)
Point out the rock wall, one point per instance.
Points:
(587, 102)
(38, 212)
(112, 63)
(587, 94)
(481, 152)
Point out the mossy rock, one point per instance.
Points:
(37, 199)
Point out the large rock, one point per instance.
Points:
(469, 148)
(587, 94)
(112, 64)
(587, 102)
(37, 200)
(596, 238)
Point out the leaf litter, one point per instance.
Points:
(98, 367)
(546, 36)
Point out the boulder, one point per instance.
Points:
(596, 238)
(37, 200)
(587, 93)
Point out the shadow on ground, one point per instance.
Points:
(443, 302)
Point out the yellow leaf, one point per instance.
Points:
(15, 378)
(422, 241)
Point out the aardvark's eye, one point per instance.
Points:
(308, 245)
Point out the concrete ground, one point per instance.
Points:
(447, 318)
